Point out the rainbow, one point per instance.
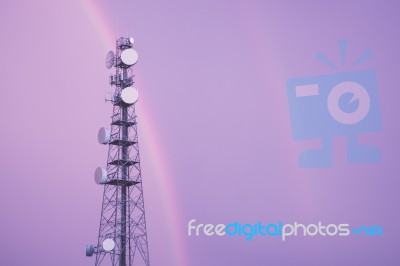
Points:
(164, 181)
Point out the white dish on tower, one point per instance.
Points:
(108, 244)
(104, 135)
(130, 95)
(100, 175)
(129, 57)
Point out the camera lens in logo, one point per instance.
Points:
(358, 93)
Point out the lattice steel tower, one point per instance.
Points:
(122, 236)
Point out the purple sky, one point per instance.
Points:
(212, 75)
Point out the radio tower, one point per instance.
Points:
(122, 236)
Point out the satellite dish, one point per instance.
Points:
(110, 58)
(100, 175)
(131, 40)
(89, 250)
(130, 95)
(104, 135)
(129, 57)
(108, 244)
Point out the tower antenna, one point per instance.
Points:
(122, 237)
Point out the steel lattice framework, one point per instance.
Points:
(123, 214)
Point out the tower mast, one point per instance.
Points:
(122, 238)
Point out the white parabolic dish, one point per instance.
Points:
(129, 57)
(130, 95)
(100, 175)
(104, 135)
(108, 244)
